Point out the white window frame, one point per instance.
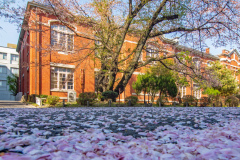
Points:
(197, 91)
(2, 56)
(14, 68)
(14, 57)
(65, 31)
(152, 52)
(66, 73)
(181, 89)
(197, 63)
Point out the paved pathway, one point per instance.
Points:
(14, 104)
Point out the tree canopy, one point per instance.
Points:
(222, 81)
(112, 21)
(12, 81)
(157, 79)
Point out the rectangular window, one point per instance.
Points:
(3, 69)
(3, 56)
(61, 38)
(152, 52)
(61, 78)
(197, 63)
(3, 85)
(182, 91)
(196, 91)
(14, 57)
(97, 47)
(15, 71)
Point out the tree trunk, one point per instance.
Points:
(144, 96)
(148, 97)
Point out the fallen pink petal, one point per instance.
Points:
(133, 133)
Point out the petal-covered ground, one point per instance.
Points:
(120, 133)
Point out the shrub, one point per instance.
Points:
(204, 101)
(52, 100)
(110, 95)
(163, 101)
(32, 98)
(43, 96)
(232, 101)
(86, 96)
(100, 97)
(133, 99)
(190, 99)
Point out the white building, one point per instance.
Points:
(9, 64)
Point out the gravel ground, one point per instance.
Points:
(118, 126)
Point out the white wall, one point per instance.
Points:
(7, 65)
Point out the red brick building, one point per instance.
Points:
(48, 64)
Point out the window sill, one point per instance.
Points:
(65, 53)
(58, 90)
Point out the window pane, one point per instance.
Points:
(54, 38)
(54, 80)
(15, 71)
(3, 85)
(61, 79)
(14, 57)
(3, 69)
(60, 38)
(3, 56)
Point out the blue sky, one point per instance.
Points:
(10, 33)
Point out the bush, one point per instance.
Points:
(190, 99)
(232, 101)
(133, 99)
(110, 95)
(43, 96)
(87, 96)
(205, 101)
(32, 98)
(52, 100)
(163, 101)
(100, 97)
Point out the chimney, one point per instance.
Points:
(208, 50)
(224, 51)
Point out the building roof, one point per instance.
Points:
(184, 48)
(29, 6)
(230, 53)
(163, 38)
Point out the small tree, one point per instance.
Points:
(221, 83)
(142, 84)
(87, 96)
(232, 101)
(110, 95)
(13, 85)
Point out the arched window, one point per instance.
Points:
(61, 38)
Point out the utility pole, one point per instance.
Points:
(36, 52)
